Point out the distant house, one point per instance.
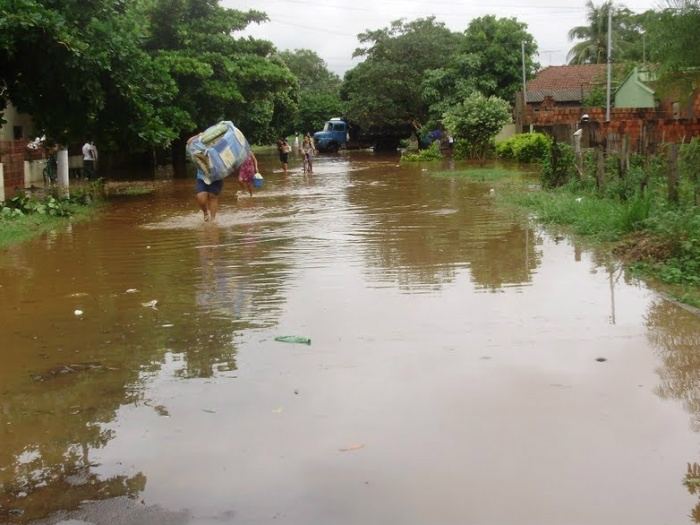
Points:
(564, 86)
(554, 88)
(636, 90)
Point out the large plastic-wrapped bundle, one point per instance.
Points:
(219, 151)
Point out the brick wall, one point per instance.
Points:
(13, 153)
(647, 128)
(12, 158)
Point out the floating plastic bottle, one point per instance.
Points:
(293, 339)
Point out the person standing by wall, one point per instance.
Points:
(89, 160)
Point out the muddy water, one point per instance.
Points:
(452, 375)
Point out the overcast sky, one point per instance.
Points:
(330, 27)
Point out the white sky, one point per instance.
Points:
(330, 27)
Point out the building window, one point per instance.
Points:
(17, 132)
(676, 110)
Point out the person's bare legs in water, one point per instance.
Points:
(209, 204)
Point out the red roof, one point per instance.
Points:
(555, 78)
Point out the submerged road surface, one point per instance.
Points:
(464, 367)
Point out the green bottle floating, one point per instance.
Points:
(293, 339)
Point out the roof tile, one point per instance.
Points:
(579, 77)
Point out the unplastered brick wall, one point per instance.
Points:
(641, 124)
(12, 154)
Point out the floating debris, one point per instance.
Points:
(151, 304)
(78, 312)
(162, 411)
(355, 446)
(293, 339)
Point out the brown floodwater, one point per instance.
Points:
(465, 366)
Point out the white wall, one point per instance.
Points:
(14, 118)
(34, 173)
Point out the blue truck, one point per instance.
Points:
(338, 134)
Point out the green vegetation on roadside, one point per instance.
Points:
(655, 225)
(480, 174)
(25, 216)
(429, 154)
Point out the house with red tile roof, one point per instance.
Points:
(566, 86)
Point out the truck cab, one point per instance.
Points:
(335, 135)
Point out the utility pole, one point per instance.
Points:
(607, 104)
(522, 46)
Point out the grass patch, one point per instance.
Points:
(481, 174)
(23, 228)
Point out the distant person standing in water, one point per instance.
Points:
(89, 160)
(284, 149)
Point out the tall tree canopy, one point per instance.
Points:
(593, 46)
(386, 87)
(319, 90)
(488, 60)
(219, 76)
(139, 73)
(675, 46)
(80, 70)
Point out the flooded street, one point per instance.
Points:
(463, 367)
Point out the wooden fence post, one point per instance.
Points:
(600, 169)
(672, 172)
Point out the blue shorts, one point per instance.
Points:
(213, 188)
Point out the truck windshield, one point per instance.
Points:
(328, 126)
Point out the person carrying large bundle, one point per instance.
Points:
(217, 152)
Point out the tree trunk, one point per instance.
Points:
(179, 156)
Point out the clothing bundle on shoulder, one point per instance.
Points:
(219, 151)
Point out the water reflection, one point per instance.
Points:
(675, 333)
(421, 231)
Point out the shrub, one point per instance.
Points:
(558, 165)
(431, 153)
(525, 148)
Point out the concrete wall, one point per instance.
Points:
(508, 131)
(34, 173)
(14, 118)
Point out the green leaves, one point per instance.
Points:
(386, 88)
(478, 119)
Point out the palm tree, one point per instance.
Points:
(593, 48)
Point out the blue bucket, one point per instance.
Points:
(257, 183)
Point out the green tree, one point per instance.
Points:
(311, 71)
(593, 46)
(386, 89)
(497, 43)
(477, 120)
(488, 60)
(676, 47)
(80, 70)
(220, 77)
(319, 90)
